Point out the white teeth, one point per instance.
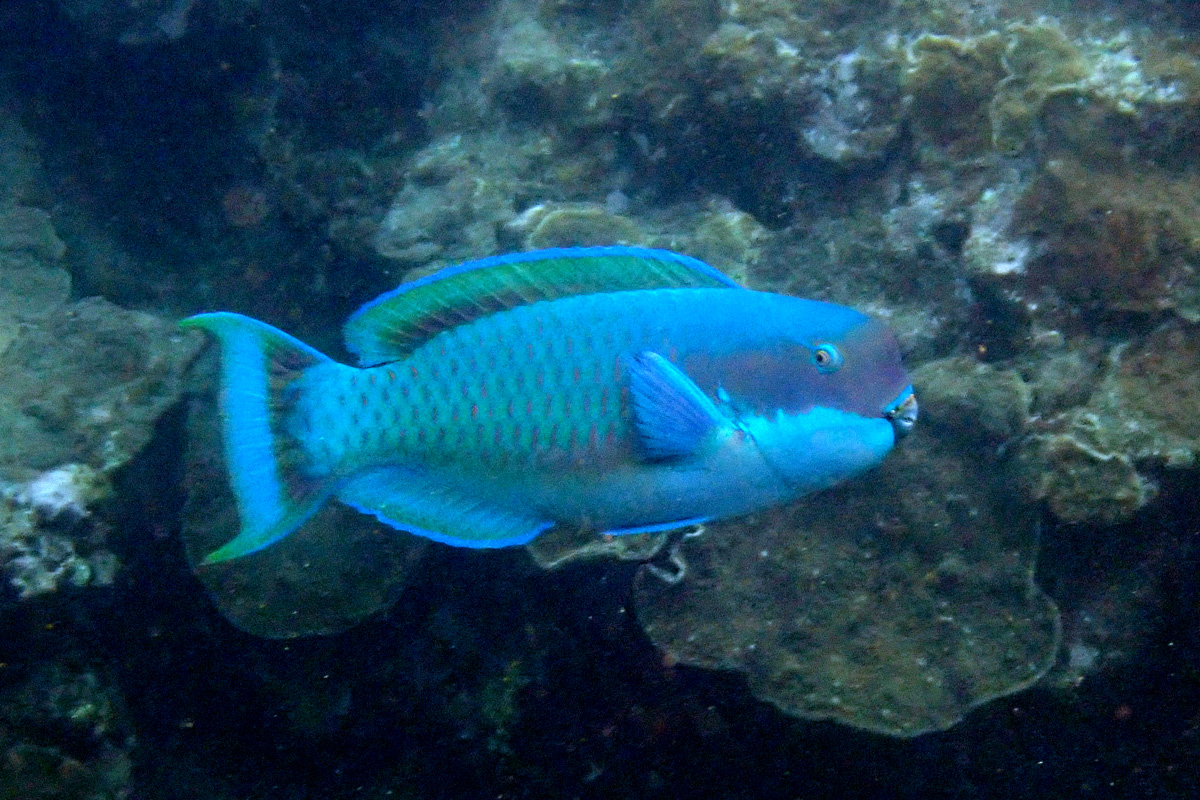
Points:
(904, 415)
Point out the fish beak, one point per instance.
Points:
(902, 412)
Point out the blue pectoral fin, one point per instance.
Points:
(672, 416)
(413, 502)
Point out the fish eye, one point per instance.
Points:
(826, 357)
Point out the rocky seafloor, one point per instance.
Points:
(1007, 608)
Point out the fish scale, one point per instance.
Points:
(547, 400)
(615, 389)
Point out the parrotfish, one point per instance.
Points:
(614, 389)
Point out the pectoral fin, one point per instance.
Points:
(672, 415)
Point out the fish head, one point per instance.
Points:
(822, 393)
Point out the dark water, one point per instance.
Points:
(245, 155)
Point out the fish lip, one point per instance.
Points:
(902, 412)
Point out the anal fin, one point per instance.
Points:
(414, 502)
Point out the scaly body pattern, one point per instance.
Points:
(616, 389)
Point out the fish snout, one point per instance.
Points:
(902, 412)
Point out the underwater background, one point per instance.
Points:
(1008, 607)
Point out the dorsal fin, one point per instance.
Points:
(394, 324)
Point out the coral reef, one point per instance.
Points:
(992, 246)
(459, 191)
(856, 117)
(1038, 60)
(982, 187)
(1155, 385)
(1082, 474)
(65, 493)
(972, 401)
(540, 76)
(82, 387)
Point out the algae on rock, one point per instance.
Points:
(894, 603)
(32, 280)
(1125, 237)
(1082, 475)
(86, 384)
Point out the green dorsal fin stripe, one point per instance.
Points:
(394, 324)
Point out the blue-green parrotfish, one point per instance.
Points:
(614, 389)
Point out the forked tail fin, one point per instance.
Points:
(268, 467)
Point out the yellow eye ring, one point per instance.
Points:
(826, 358)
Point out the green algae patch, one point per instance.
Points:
(950, 84)
(983, 93)
(1038, 59)
(999, 91)
(1158, 380)
(1082, 471)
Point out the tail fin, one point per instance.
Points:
(259, 368)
